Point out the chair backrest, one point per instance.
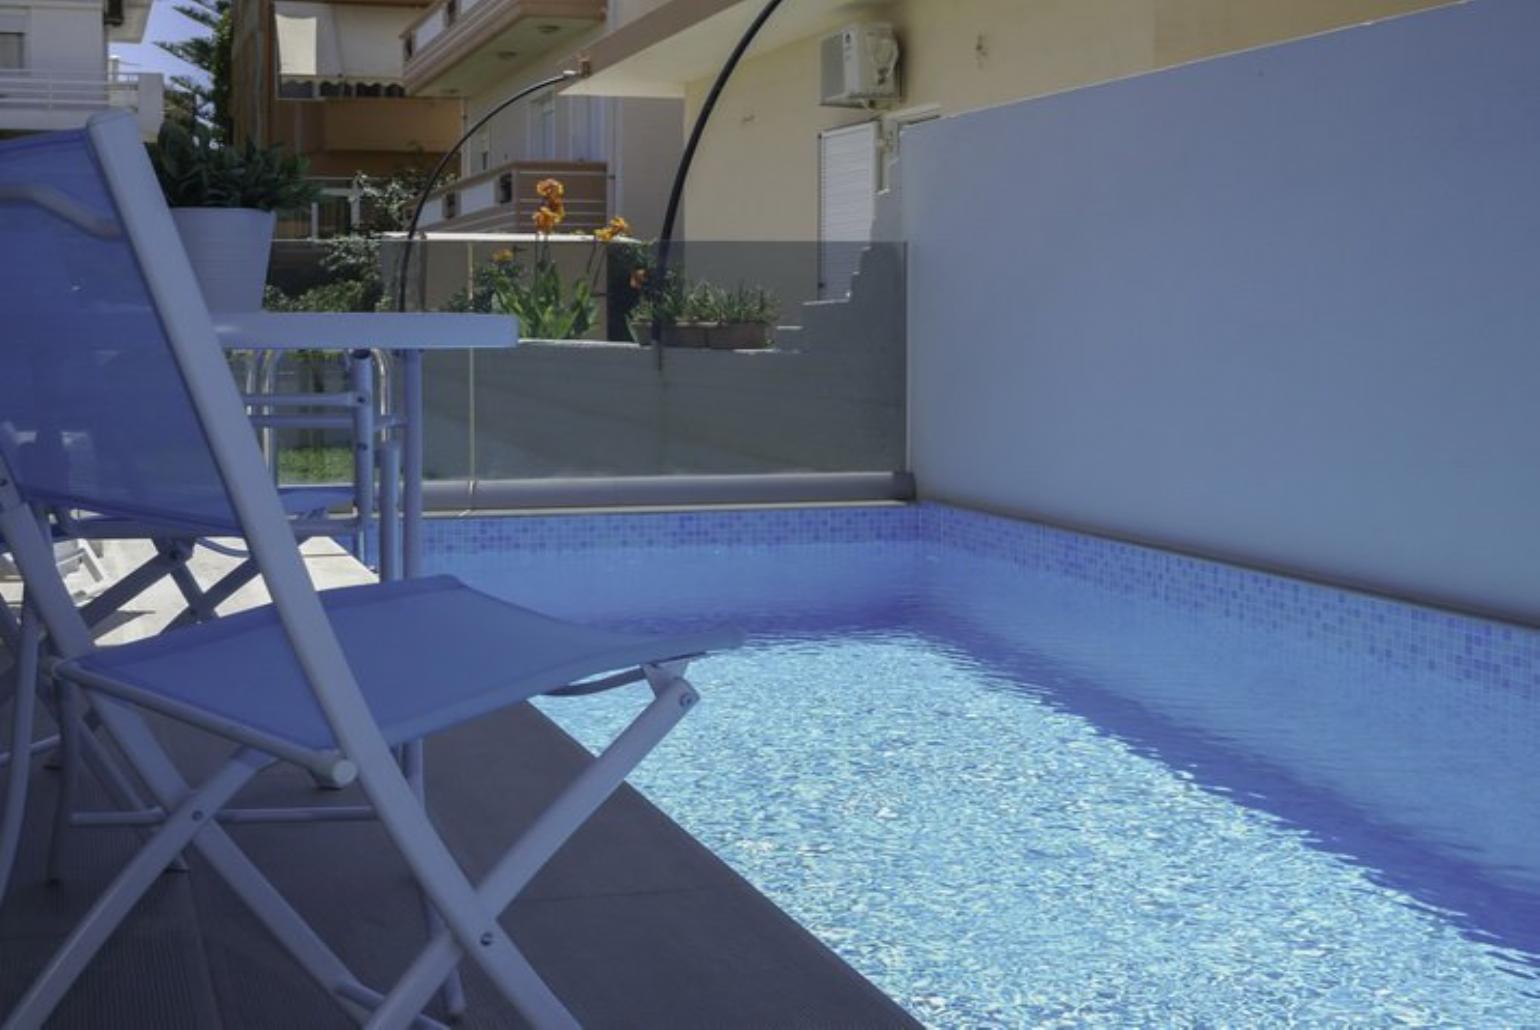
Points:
(182, 368)
(130, 367)
(94, 413)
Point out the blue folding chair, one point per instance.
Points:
(104, 308)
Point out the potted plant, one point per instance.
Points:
(666, 303)
(225, 200)
(697, 318)
(743, 319)
(547, 305)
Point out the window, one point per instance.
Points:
(451, 11)
(587, 128)
(542, 128)
(505, 188)
(13, 50)
(451, 206)
(847, 199)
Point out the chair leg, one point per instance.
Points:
(70, 730)
(29, 645)
(91, 564)
(185, 822)
(232, 865)
(413, 765)
(673, 698)
(110, 601)
(92, 754)
(10, 630)
(198, 609)
(209, 600)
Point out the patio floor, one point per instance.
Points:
(633, 923)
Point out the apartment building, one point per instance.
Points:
(614, 154)
(325, 80)
(795, 152)
(55, 71)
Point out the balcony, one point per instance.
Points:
(457, 47)
(504, 198)
(339, 135)
(41, 101)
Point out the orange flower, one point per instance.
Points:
(619, 227)
(638, 278)
(605, 234)
(546, 220)
(549, 188)
(502, 257)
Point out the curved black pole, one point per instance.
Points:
(443, 162)
(676, 193)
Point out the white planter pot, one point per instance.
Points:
(229, 249)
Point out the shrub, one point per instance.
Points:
(196, 172)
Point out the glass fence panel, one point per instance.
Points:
(770, 357)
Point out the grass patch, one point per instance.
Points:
(315, 465)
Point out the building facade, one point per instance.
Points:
(778, 163)
(55, 71)
(325, 80)
(614, 155)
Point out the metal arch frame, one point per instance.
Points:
(687, 159)
(403, 264)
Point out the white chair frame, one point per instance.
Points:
(470, 911)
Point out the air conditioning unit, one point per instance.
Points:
(860, 66)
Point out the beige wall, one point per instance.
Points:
(756, 175)
(640, 143)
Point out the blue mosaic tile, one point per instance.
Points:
(1467, 648)
(1500, 656)
(761, 527)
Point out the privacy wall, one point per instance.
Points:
(1281, 307)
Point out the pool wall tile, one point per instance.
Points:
(1494, 655)
(766, 527)
(1407, 636)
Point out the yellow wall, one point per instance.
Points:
(756, 174)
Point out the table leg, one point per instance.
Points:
(411, 492)
(389, 542)
(361, 383)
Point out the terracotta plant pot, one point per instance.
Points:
(686, 335)
(740, 336)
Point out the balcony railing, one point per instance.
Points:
(504, 199)
(457, 46)
(35, 99)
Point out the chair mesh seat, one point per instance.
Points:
(428, 654)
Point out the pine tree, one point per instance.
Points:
(190, 100)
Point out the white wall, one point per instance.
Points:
(65, 36)
(1282, 306)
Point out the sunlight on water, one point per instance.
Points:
(1015, 802)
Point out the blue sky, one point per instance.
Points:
(165, 24)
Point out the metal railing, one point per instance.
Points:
(504, 198)
(67, 91)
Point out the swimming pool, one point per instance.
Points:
(1021, 776)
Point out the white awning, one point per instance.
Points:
(354, 42)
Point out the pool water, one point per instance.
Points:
(1015, 796)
